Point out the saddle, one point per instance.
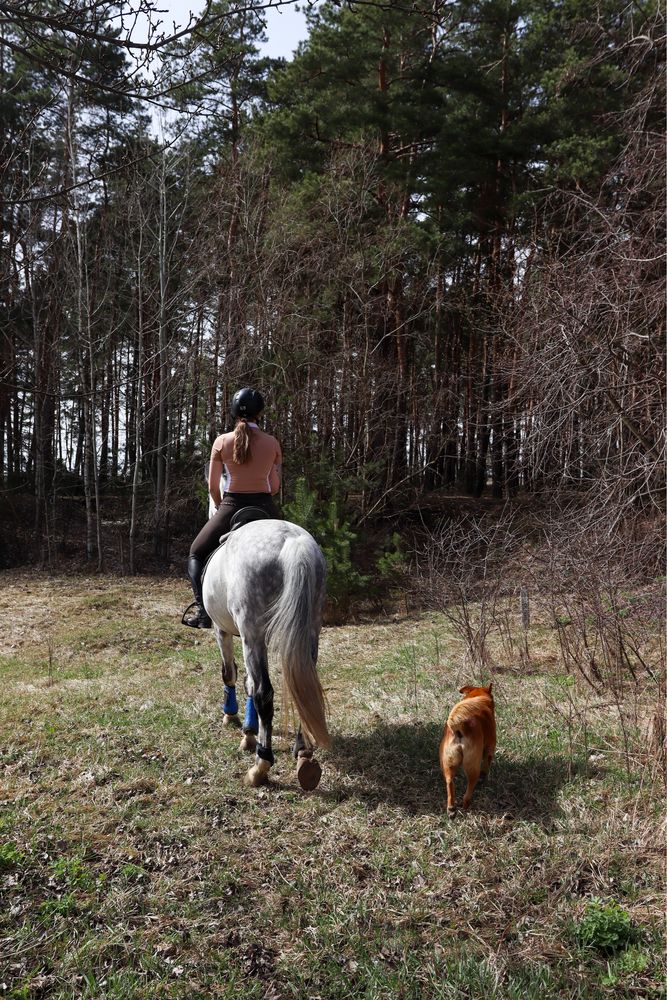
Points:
(242, 517)
(247, 514)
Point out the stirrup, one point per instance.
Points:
(200, 619)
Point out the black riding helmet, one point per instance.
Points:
(246, 403)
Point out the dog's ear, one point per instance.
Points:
(466, 689)
(489, 687)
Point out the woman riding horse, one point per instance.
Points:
(251, 462)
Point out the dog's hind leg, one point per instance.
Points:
(485, 766)
(451, 755)
(472, 766)
(449, 773)
(473, 778)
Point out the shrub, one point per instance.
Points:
(335, 538)
(392, 564)
(10, 856)
(604, 926)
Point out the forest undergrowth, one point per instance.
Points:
(135, 863)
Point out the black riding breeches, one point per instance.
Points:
(208, 538)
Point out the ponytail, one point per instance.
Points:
(241, 452)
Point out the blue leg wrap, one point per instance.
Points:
(265, 753)
(251, 722)
(230, 705)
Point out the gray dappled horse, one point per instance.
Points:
(266, 584)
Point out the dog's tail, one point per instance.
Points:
(453, 751)
(461, 722)
(453, 754)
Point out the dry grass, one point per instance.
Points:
(134, 863)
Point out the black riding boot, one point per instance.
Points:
(198, 618)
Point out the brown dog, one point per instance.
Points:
(469, 739)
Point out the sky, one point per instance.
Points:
(285, 26)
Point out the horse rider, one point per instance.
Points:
(251, 462)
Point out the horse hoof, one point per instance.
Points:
(248, 743)
(309, 772)
(231, 720)
(258, 774)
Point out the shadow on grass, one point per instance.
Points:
(398, 765)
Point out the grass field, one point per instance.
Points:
(135, 863)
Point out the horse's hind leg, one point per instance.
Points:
(261, 692)
(299, 744)
(308, 771)
(250, 727)
(230, 705)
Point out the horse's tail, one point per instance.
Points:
(291, 632)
